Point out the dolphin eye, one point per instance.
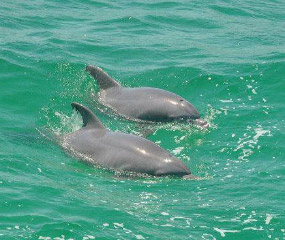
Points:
(181, 100)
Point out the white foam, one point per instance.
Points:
(268, 218)
(139, 237)
(167, 225)
(248, 143)
(223, 231)
(59, 238)
(229, 176)
(226, 100)
(44, 238)
(177, 150)
(254, 229)
(90, 237)
(225, 111)
(118, 225)
(249, 220)
(164, 213)
(260, 132)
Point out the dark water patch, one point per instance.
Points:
(128, 21)
(173, 21)
(159, 5)
(274, 57)
(232, 11)
(98, 4)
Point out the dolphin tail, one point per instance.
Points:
(89, 118)
(103, 79)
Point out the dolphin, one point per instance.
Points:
(144, 103)
(119, 151)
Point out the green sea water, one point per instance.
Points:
(227, 58)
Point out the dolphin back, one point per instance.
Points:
(120, 151)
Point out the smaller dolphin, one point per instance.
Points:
(144, 103)
(119, 151)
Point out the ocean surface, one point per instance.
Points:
(227, 58)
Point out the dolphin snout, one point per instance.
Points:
(190, 176)
(189, 110)
(199, 122)
(173, 166)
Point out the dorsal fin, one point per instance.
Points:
(89, 118)
(103, 79)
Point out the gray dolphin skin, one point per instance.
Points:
(144, 103)
(119, 151)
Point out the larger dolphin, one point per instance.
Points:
(120, 151)
(144, 103)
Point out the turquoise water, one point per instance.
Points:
(227, 59)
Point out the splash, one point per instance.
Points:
(249, 143)
(66, 123)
